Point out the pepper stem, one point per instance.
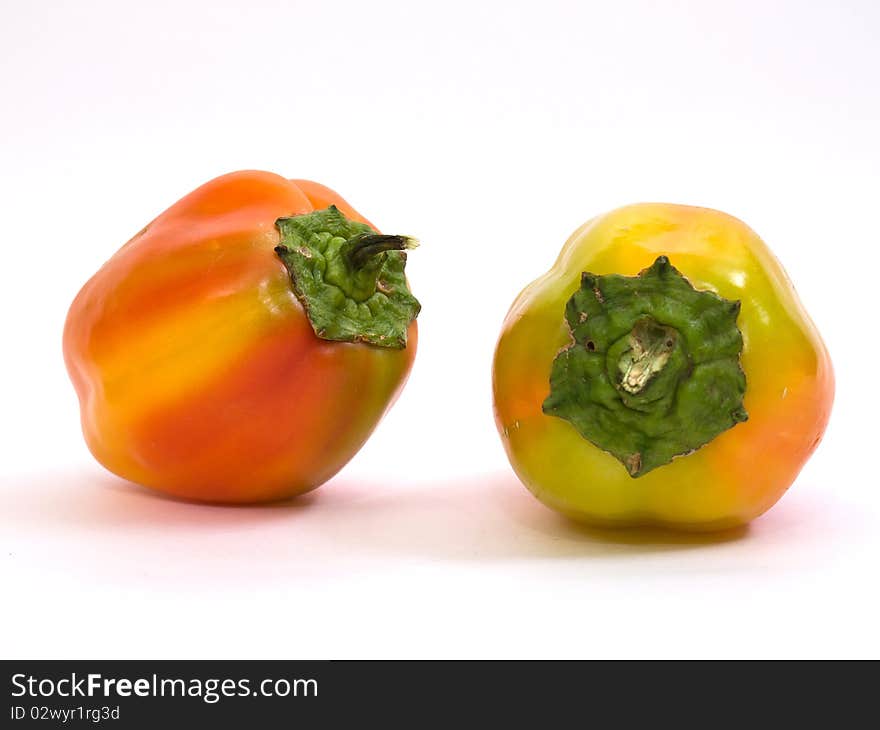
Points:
(650, 345)
(653, 370)
(364, 246)
(349, 279)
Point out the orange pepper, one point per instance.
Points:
(206, 353)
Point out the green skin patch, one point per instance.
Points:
(349, 279)
(653, 371)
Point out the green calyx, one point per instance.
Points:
(349, 279)
(653, 370)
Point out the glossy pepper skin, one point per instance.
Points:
(197, 368)
(761, 440)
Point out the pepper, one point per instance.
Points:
(243, 345)
(663, 372)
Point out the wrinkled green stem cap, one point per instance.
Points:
(349, 279)
(653, 370)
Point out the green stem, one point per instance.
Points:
(349, 279)
(653, 370)
(361, 248)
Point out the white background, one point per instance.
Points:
(490, 131)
